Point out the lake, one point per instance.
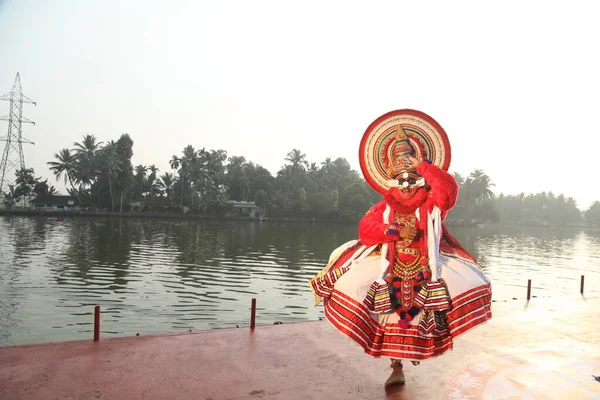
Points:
(162, 276)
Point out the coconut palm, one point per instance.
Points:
(236, 177)
(297, 159)
(65, 166)
(140, 170)
(481, 185)
(152, 182)
(459, 179)
(112, 164)
(176, 163)
(86, 152)
(212, 172)
(166, 182)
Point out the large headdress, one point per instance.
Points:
(392, 137)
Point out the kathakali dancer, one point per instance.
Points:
(405, 288)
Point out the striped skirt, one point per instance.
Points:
(429, 334)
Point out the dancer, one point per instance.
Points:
(405, 288)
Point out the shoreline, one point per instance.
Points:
(155, 215)
(202, 217)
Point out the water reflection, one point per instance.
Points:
(153, 276)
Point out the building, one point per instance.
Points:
(55, 203)
(246, 209)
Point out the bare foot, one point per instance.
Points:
(396, 378)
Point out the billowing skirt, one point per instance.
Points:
(346, 288)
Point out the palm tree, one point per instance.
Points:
(166, 181)
(297, 159)
(481, 184)
(140, 170)
(459, 179)
(65, 166)
(475, 189)
(326, 165)
(314, 177)
(86, 152)
(213, 172)
(88, 162)
(175, 163)
(236, 176)
(112, 163)
(152, 179)
(236, 163)
(190, 169)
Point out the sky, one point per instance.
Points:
(514, 84)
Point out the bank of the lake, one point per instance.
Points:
(580, 226)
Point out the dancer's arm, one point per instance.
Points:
(444, 189)
(372, 230)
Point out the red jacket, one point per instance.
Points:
(443, 194)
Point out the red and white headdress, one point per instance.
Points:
(395, 134)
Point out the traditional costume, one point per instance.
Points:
(404, 297)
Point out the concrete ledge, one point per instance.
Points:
(548, 348)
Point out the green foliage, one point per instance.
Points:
(475, 203)
(538, 209)
(592, 215)
(27, 188)
(260, 198)
(321, 204)
(478, 204)
(355, 200)
(25, 183)
(202, 181)
(42, 188)
(10, 198)
(124, 170)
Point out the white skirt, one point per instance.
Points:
(379, 333)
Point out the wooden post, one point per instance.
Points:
(253, 314)
(581, 286)
(528, 289)
(96, 323)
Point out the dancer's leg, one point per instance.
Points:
(397, 376)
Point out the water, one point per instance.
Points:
(158, 276)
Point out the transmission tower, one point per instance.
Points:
(12, 157)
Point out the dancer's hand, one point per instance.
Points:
(392, 231)
(414, 161)
(408, 232)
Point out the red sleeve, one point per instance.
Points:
(444, 189)
(371, 229)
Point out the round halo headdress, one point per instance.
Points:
(391, 137)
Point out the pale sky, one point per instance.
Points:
(515, 84)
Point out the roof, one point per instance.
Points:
(54, 200)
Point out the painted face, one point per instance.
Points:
(409, 183)
(406, 197)
(409, 195)
(407, 192)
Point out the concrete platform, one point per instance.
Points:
(547, 349)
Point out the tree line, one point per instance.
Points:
(100, 176)
(477, 204)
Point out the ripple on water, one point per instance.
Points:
(162, 276)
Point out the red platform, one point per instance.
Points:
(548, 349)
